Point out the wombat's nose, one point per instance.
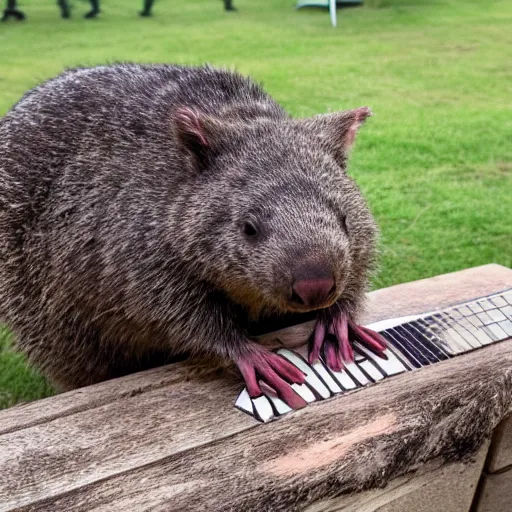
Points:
(313, 286)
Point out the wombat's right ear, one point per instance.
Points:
(339, 129)
(196, 132)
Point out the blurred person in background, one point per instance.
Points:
(11, 9)
(148, 4)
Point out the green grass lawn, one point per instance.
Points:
(436, 159)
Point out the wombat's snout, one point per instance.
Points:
(313, 285)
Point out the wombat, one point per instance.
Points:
(148, 211)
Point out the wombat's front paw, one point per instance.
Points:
(332, 335)
(273, 370)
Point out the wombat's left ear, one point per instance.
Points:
(198, 133)
(339, 130)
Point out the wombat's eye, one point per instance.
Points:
(343, 222)
(250, 229)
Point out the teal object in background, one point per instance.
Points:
(330, 4)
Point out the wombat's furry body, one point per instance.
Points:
(149, 211)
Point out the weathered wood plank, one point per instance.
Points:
(434, 487)
(439, 291)
(342, 445)
(500, 456)
(496, 493)
(34, 413)
(68, 452)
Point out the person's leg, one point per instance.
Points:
(95, 9)
(228, 5)
(65, 11)
(11, 10)
(146, 10)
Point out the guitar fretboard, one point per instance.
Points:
(413, 342)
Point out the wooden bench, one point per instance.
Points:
(170, 441)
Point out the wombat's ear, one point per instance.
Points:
(339, 130)
(198, 133)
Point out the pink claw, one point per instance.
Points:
(332, 358)
(337, 347)
(318, 341)
(341, 331)
(372, 339)
(274, 371)
(333, 335)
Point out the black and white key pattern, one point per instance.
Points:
(414, 342)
